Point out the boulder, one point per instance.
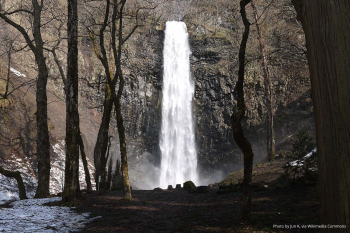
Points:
(158, 189)
(170, 187)
(189, 185)
(178, 186)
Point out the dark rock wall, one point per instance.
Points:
(214, 69)
(214, 40)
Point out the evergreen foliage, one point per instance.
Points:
(303, 168)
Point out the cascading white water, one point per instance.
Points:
(177, 139)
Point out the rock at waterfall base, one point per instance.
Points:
(189, 185)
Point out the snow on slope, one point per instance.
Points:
(299, 163)
(31, 216)
(17, 73)
(57, 170)
(8, 186)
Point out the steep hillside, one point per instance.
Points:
(18, 136)
(215, 31)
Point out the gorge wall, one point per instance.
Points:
(215, 32)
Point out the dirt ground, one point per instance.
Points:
(181, 211)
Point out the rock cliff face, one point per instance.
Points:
(215, 34)
(213, 67)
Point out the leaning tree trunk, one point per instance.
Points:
(123, 155)
(117, 52)
(268, 90)
(102, 140)
(85, 163)
(236, 118)
(327, 30)
(71, 182)
(17, 176)
(5, 95)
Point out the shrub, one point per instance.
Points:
(304, 165)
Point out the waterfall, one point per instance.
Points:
(177, 138)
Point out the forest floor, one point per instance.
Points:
(277, 207)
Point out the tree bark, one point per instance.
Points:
(113, 75)
(9, 52)
(270, 137)
(109, 175)
(327, 30)
(43, 142)
(71, 190)
(124, 157)
(42, 139)
(236, 118)
(102, 139)
(117, 51)
(17, 176)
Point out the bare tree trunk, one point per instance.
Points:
(124, 157)
(42, 140)
(17, 176)
(85, 163)
(109, 175)
(104, 159)
(9, 52)
(327, 30)
(113, 75)
(102, 138)
(236, 118)
(117, 97)
(71, 182)
(268, 90)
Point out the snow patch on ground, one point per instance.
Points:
(9, 187)
(31, 216)
(300, 162)
(58, 166)
(17, 73)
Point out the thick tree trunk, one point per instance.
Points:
(236, 118)
(117, 51)
(270, 137)
(43, 142)
(102, 139)
(124, 157)
(327, 30)
(85, 163)
(17, 176)
(71, 182)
